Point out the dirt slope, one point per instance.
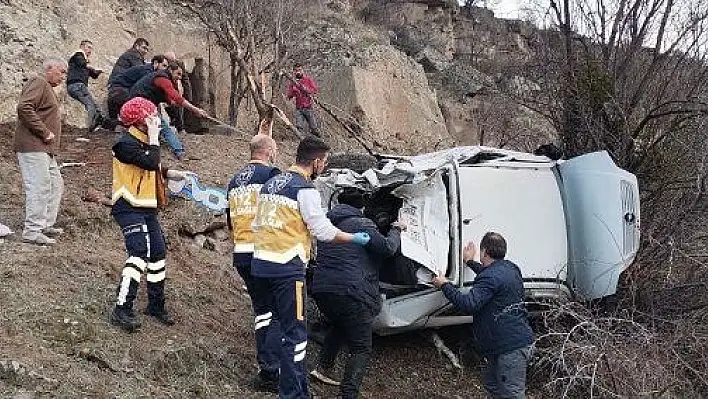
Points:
(55, 340)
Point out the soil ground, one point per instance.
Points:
(55, 301)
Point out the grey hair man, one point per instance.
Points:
(36, 143)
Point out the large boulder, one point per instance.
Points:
(387, 93)
(32, 30)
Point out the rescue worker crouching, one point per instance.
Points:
(138, 192)
(289, 214)
(243, 190)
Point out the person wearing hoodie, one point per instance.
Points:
(345, 287)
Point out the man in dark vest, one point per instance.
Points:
(119, 84)
(160, 88)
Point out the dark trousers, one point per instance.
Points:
(268, 334)
(504, 376)
(352, 325)
(117, 96)
(145, 244)
(176, 115)
(306, 121)
(288, 297)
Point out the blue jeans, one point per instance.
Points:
(170, 137)
(504, 376)
(79, 92)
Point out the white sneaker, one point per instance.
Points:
(52, 231)
(41, 239)
(323, 378)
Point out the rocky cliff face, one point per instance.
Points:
(32, 30)
(474, 62)
(395, 70)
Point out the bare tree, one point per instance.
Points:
(253, 34)
(631, 77)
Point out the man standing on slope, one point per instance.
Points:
(243, 192)
(36, 143)
(303, 89)
(77, 83)
(289, 214)
(501, 328)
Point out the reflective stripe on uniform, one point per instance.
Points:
(263, 320)
(300, 351)
(282, 257)
(155, 271)
(138, 262)
(243, 248)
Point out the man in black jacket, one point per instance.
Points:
(77, 83)
(345, 287)
(134, 56)
(119, 84)
(501, 329)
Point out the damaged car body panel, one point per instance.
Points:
(572, 226)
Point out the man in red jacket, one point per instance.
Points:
(304, 89)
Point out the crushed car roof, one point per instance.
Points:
(413, 169)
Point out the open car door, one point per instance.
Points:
(602, 213)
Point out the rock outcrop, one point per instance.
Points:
(32, 30)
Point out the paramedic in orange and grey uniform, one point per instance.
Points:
(289, 214)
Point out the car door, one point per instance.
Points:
(603, 218)
(522, 202)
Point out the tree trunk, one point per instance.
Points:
(198, 91)
(233, 92)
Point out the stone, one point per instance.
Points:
(221, 234)
(432, 60)
(200, 240)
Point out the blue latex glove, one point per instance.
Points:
(361, 238)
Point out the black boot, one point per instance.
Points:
(264, 382)
(156, 303)
(125, 318)
(354, 375)
(123, 315)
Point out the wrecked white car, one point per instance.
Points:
(571, 226)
